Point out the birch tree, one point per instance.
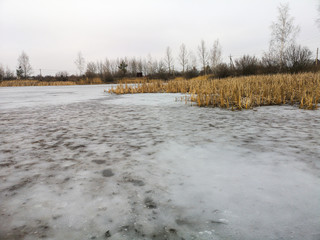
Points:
(80, 63)
(215, 54)
(183, 57)
(169, 59)
(203, 55)
(24, 65)
(283, 34)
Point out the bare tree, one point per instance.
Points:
(133, 67)
(9, 74)
(92, 70)
(215, 54)
(149, 65)
(100, 69)
(24, 65)
(1, 72)
(283, 34)
(80, 63)
(62, 75)
(140, 66)
(169, 59)
(183, 57)
(192, 61)
(203, 55)
(247, 65)
(298, 58)
(161, 69)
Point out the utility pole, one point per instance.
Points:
(317, 57)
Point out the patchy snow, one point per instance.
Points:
(78, 163)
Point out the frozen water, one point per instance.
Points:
(78, 163)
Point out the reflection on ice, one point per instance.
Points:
(77, 163)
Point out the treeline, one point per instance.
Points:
(296, 59)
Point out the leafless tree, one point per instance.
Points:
(99, 65)
(169, 59)
(298, 58)
(24, 63)
(161, 69)
(62, 75)
(9, 74)
(1, 72)
(215, 54)
(80, 63)
(183, 57)
(149, 65)
(107, 66)
(247, 65)
(133, 66)
(203, 55)
(140, 66)
(91, 69)
(284, 33)
(192, 61)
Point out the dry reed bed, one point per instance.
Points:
(239, 93)
(29, 82)
(21, 83)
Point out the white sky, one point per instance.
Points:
(51, 32)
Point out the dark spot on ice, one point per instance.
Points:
(107, 173)
(172, 230)
(6, 164)
(218, 222)
(66, 180)
(135, 182)
(76, 147)
(56, 217)
(181, 222)
(99, 161)
(107, 234)
(139, 183)
(22, 183)
(149, 203)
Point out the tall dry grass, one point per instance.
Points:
(21, 83)
(241, 92)
(89, 81)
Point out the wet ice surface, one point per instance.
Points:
(77, 163)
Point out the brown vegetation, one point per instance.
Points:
(238, 93)
(20, 83)
(29, 82)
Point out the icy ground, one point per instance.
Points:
(78, 163)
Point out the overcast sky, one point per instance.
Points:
(52, 32)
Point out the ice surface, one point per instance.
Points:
(76, 162)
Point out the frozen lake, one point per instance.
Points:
(78, 163)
